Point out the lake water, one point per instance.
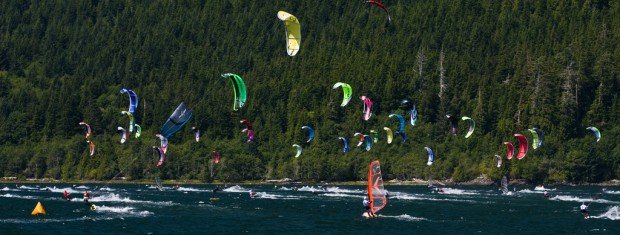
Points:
(308, 209)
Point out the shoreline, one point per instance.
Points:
(414, 182)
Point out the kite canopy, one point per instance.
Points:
(431, 156)
(239, 90)
(376, 192)
(88, 130)
(413, 116)
(249, 135)
(248, 130)
(196, 133)
(360, 137)
(138, 131)
(247, 123)
(347, 92)
(123, 133)
(510, 150)
(413, 112)
(161, 154)
(380, 4)
(132, 122)
(293, 32)
(367, 108)
(522, 146)
(298, 150)
(401, 126)
(389, 135)
(472, 126)
(538, 137)
(401, 121)
(596, 132)
(216, 157)
(176, 121)
(91, 147)
(163, 145)
(345, 144)
(499, 160)
(375, 136)
(310, 133)
(133, 99)
(368, 141)
(453, 123)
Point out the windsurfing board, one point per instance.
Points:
(368, 216)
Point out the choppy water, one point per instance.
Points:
(140, 209)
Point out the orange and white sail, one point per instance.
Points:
(376, 192)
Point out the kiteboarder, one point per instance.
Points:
(89, 204)
(86, 196)
(367, 207)
(584, 210)
(66, 195)
(217, 188)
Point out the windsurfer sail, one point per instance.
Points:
(158, 182)
(505, 185)
(376, 192)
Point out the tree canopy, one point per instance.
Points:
(509, 65)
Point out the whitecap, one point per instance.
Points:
(311, 189)
(113, 197)
(122, 210)
(404, 196)
(236, 189)
(577, 199)
(192, 189)
(612, 213)
(341, 195)
(341, 190)
(26, 187)
(8, 195)
(404, 217)
(458, 191)
(277, 196)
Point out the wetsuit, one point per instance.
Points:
(584, 210)
(86, 197)
(367, 208)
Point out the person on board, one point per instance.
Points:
(66, 195)
(584, 210)
(367, 207)
(252, 193)
(217, 188)
(546, 194)
(86, 197)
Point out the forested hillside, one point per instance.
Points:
(509, 65)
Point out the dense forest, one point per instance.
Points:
(509, 65)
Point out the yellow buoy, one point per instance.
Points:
(38, 210)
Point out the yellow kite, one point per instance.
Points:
(293, 32)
